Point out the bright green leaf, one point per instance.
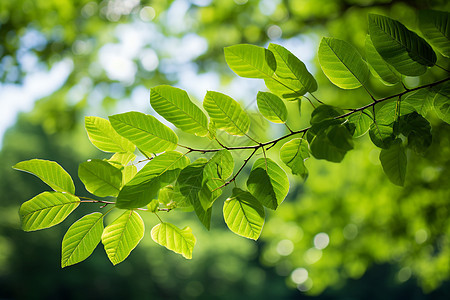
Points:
(145, 185)
(81, 239)
(180, 241)
(385, 71)
(421, 101)
(243, 214)
(144, 131)
(391, 111)
(122, 158)
(100, 177)
(176, 107)
(436, 29)
(122, 236)
(104, 137)
(250, 61)
(293, 154)
(408, 53)
(128, 173)
(342, 63)
(226, 113)
(46, 210)
(292, 79)
(49, 172)
(361, 121)
(268, 183)
(393, 161)
(271, 107)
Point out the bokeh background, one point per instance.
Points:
(345, 233)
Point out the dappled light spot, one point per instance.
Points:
(274, 32)
(312, 256)
(404, 274)
(321, 240)
(306, 286)
(299, 275)
(421, 236)
(147, 13)
(285, 247)
(350, 231)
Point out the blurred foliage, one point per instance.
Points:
(383, 241)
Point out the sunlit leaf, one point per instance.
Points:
(128, 173)
(385, 71)
(268, 183)
(122, 158)
(394, 162)
(293, 154)
(226, 113)
(180, 241)
(176, 107)
(144, 131)
(291, 79)
(421, 101)
(441, 101)
(250, 61)
(243, 214)
(104, 137)
(81, 239)
(271, 107)
(46, 210)
(342, 63)
(436, 29)
(361, 121)
(122, 236)
(100, 177)
(49, 172)
(145, 185)
(408, 53)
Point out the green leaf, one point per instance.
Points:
(153, 205)
(342, 63)
(100, 177)
(180, 241)
(46, 210)
(226, 113)
(190, 183)
(271, 107)
(122, 236)
(128, 173)
(250, 61)
(49, 172)
(381, 135)
(361, 121)
(387, 73)
(81, 239)
(104, 137)
(435, 27)
(145, 185)
(243, 214)
(418, 131)
(176, 107)
(441, 101)
(393, 160)
(293, 154)
(268, 183)
(391, 111)
(331, 143)
(420, 101)
(408, 53)
(172, 197)
(122, 158)
(292, 79)
(144, 131)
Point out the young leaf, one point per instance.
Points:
(81, 239)
(46, 210)
(408, 53)
(104, 137)
(243, 214)
(271, 107)
(180, 241)
(385, 71)
(122, 158)
(49, 172)
(342, 63)
(144, 131)
(361, 121)
(292, 79)
(128, 173)
(122, 236)
(250, 61)
(216, 171)
(268, 183)
(176, 107)
(435, 27)
(226, 113)
(100, 177)
(293, 154)
(159, 172)
(393, 161)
